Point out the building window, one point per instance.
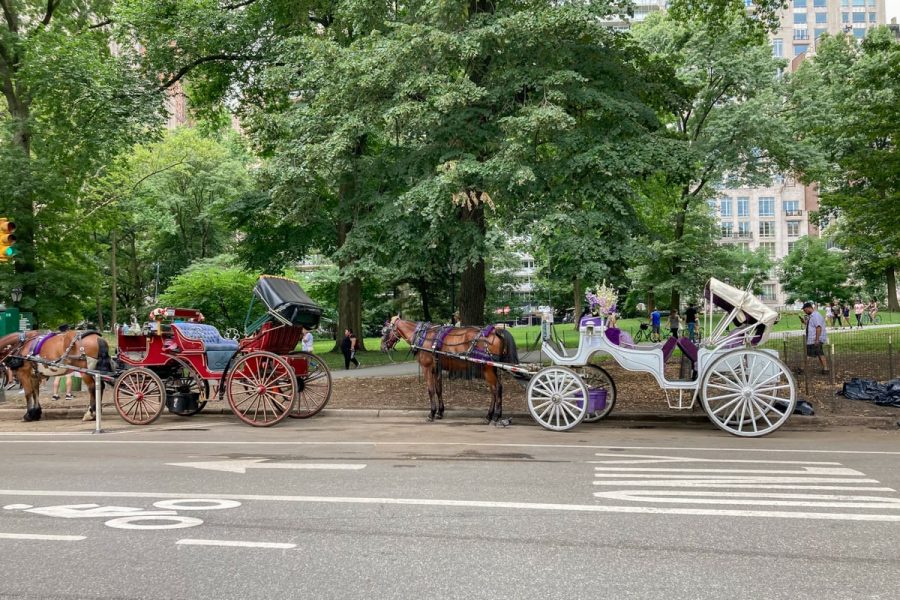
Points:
(800, 49)
(859, 32)
(528, 264)
(769, 247)
(791, 246)
(778, 48)
(801, 34)
(725, 207)
(743, 207)
(819, 33)
(792, 207)
(744, 229)
(859, 17)
(859, 2)
(727, 228)
(768, 292)
(820, 3)
(845, 17)
(800, 18)
(793, 228)
(845, 2)
(873, 17)
(871, 2)
(767, 229)
(767, 207)
(821, 17)
(799, 3)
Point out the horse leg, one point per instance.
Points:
(31, 384)
(439, 390)
(498, 413)
(491, 379)
(429, 381)
(91, 411)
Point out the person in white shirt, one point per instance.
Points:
(816, 336)
(307, 340)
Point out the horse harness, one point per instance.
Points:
(420, 334)
(64, 359)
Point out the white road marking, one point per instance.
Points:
(438, 444)
(529, 506)
(753, 498)
(191, 504)
(622, 478)
(706, 484)
(39, 536)
(95, 511)
(236, 544)
(176, 522)
(805, 470)
(241, 465)
(637, 459)
(17, 506)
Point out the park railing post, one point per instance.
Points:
(890, 357)
(832, 363)
(98, 404)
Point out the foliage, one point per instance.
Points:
(846, 105)
(215, 287)
(812, 272)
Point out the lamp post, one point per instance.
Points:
(16, 295)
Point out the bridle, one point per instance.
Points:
(389, 334)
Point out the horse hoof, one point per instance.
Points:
(429, 419)
(87, 416)
(438, 417)
(27, 418)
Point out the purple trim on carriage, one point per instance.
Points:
(40, 343)
(688, 348)
(614, 335)
(668, 348)
(590, 321)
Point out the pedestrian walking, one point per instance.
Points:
(872, 310)
(674, 323)
(816, 335)
(306, 341)
(829, 315)
(845, 314)
(655, 321)
(858, 310)
(690, 317)
(348, 349)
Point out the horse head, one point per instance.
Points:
(389, 334)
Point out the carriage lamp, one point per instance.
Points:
(16, 295)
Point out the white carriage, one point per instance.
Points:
(744, 389)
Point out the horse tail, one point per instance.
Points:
(510, 353)
(104, 360)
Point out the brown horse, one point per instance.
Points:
(84, 349)
(492, 344)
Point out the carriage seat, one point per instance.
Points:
(219, 350)
(617, 337)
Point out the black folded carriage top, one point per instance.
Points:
(287, 302)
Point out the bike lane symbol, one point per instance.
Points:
(127, 517)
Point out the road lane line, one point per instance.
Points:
(752, 498)
(620, 477)
(528, 506)
(755, 461)
(235, 544)
(803, 471)
(440, 444)
(40, 536)
(706, 484)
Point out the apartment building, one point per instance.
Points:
(804, 21)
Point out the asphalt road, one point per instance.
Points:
(333, 508)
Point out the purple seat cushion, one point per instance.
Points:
(614, 335)
(689, 348)
(668, 348)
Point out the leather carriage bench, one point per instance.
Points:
(219, 350)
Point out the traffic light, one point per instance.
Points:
(7, 239)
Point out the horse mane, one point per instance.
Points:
(510, 353)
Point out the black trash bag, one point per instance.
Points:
(801, 408)
(882, 394)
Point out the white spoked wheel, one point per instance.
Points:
(598, 378)
(748, 392)
(557, 398)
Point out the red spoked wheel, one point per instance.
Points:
(314, 385)
(261, 388)
(139, 395)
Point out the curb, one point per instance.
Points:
(622, 419)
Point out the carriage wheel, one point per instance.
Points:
(315, 386)
(557, 398)
(261, 388)
(139, 395)
(598, 377)
(748, 392)
(182, 378)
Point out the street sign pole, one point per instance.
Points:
(98, 395)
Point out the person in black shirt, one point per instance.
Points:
(348, 349)
(690, 317)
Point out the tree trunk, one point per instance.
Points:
(422, 287)
(680, 217)
(349, 299)
(578, 290)
(114, 275)
(472, 288)
(891, 275)
(651, 301)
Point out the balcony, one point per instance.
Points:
(736, 235)
(793, 213)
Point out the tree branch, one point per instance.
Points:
(51, 6)
(11, 19)
(238, 4)
(195, 63)
(101, 24)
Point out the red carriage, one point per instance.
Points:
(178, 362)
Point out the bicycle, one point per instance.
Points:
(642, 334)
(867, 319)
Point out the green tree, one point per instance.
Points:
(71, 105)
(215, 287)
(723, 127)
(812, 272)
(846, 103)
